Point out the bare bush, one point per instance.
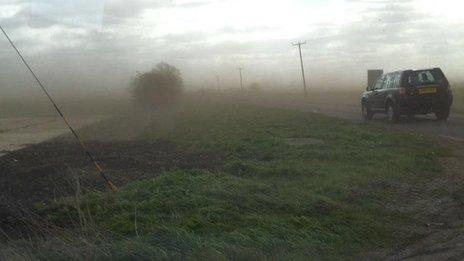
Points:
(160, 87)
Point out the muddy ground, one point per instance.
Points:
(56, 164)
(34, 176)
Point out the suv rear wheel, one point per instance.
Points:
(442, 115)
(392, 113)
(367, 113)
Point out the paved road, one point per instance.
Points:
(452, 129)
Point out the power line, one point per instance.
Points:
(299, 44)
(240, 69)
(58, 110)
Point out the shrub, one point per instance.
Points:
(159, 87)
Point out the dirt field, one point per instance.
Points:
(60, 163)
(36, 151)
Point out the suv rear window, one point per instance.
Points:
(425, 77)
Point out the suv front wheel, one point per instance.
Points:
(392, 113)
(367, 113)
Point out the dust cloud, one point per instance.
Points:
(87, 54)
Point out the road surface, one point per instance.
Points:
(19, 132)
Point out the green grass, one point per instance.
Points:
(458, 93)
(270, 199)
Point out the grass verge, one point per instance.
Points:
(271, 199)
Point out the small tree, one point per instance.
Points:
(159, 87)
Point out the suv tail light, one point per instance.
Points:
(403, 92)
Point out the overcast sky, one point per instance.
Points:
(99, 44)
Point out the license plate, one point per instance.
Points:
(428, 90)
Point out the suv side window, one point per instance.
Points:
(405, 79)
(395, 81)
(398, 80)
(379, 84)
(388, 81)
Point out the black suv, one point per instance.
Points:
(408, 93)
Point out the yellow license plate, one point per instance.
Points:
(427, 90)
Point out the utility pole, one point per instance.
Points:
(240, 69)
(299, 44)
